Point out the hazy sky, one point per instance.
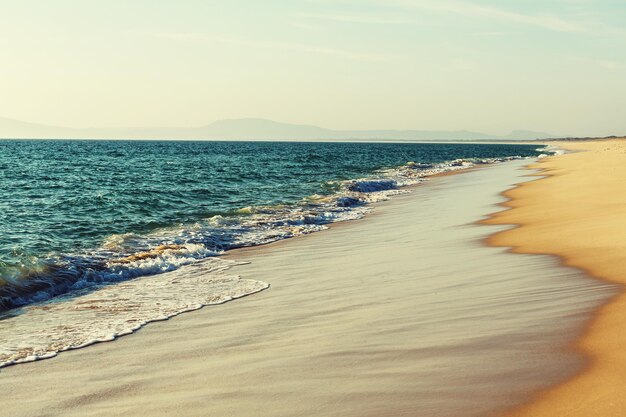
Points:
(549, 65)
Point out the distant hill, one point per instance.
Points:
(245, 129)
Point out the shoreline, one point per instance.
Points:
(370, 319)
(570, 230)
(123, 256)
(375, 210)
(368, 209)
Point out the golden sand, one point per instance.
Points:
(578, 212)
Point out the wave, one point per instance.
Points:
(104, 313)
(126, 256)
(550, 150)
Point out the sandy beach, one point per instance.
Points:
(313, 208)
(406, 312)
(577, 213)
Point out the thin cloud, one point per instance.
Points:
(305, 26)
(545, 21)
(601, 63)
(612, 65)
(496, 33)
(353, 18)
(254, 43)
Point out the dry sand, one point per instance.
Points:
(579, 213)
(405, 313)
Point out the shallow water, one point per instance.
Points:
(90, 222)
(405, 313)
(414, 318)
(42, 330)
(77, 214)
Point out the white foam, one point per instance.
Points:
(107, 303)
(77, 320)
(126, 256)
(551, 150)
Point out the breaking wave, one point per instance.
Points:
(126, 256)
(105, 312)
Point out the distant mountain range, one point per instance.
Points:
(246, 129)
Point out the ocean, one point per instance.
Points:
(127, 232)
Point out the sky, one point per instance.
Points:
(556, 66)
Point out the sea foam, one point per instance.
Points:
(100, 314)
(134, 279)
(130, 255)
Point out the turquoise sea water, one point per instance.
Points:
(80, 213)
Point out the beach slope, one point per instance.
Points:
(578, 213)
(405, 313)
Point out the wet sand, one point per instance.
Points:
(578, 212)
(404, 313)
